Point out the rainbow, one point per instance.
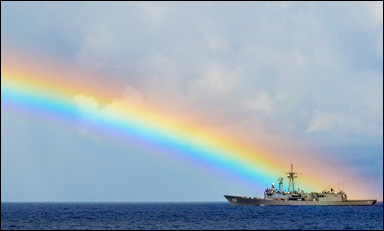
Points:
(149, 126)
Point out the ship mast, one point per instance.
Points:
(291, 176)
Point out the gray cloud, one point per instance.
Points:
(292, 66)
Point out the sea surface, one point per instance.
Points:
(186, 216)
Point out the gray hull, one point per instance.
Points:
(237, 200)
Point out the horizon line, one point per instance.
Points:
(122, 202)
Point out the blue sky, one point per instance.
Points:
(308, 71)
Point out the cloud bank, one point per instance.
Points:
(310, 73)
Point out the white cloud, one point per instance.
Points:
(97, 47)
(263, 103)
(213, 33)
(278, 63)
(88, 110)
(85, 104)
(160, 75)
(342, 125)
(323, 122)
(215, 80)
(133, 94)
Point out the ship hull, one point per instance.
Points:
(237, 200)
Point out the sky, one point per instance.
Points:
(186, 101)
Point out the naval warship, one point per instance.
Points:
(274, 196)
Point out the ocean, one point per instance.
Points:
(186, 216)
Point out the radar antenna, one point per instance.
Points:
(291, 176)
(280, 179)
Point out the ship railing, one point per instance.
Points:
(361, 200)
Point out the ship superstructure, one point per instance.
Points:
(293, 196)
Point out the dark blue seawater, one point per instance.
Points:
(186, 216)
